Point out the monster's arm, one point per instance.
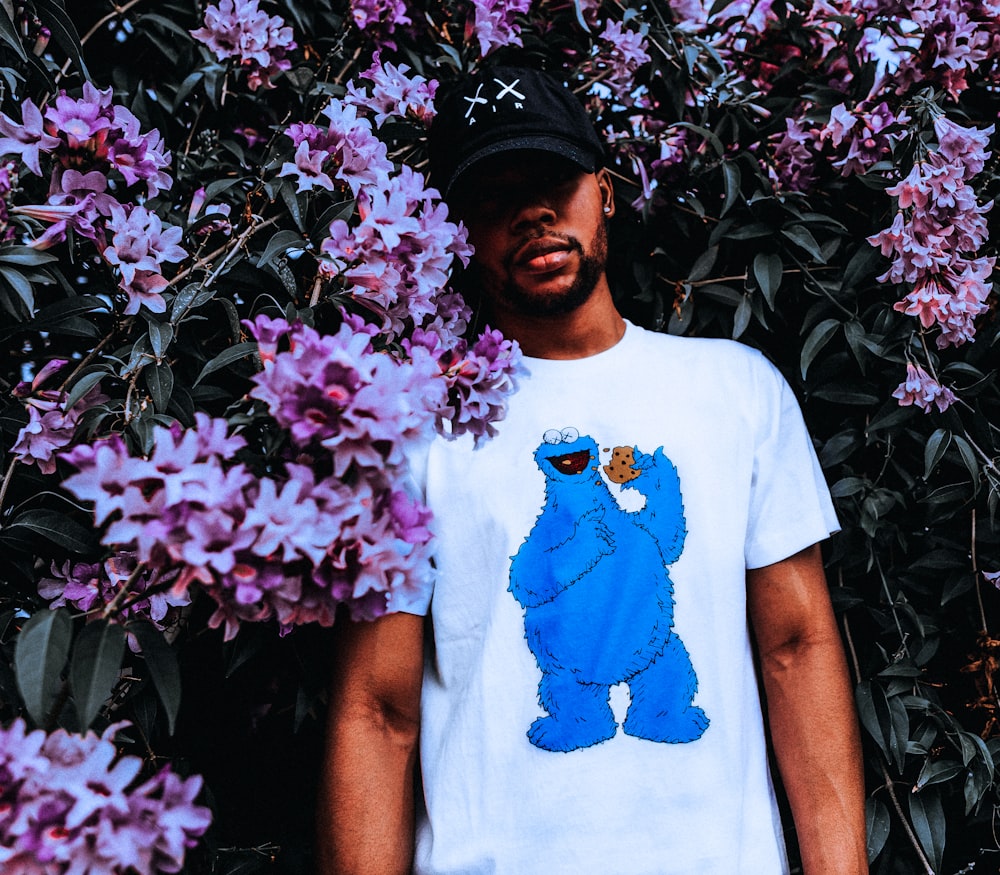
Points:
(544, 567)
(810, 710)
(663, 513)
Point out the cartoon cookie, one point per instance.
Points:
(621, 467)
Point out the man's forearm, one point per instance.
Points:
(365, 812)
(816, 743)
(366, 804)
(810, 707)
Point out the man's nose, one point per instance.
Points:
(530, 209)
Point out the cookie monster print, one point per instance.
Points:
(598, 602)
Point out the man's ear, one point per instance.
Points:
(607, 192)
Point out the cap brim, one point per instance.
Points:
(585, 159)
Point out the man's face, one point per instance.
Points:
(537, 222)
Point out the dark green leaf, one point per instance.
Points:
(968, 456)
(742, 317)
(279, 244)
(25, 256)
(934, 450)
(53, 14)
(20, 285)
(9, 35)
(160, 335)
(160, 382)
(703, 265)
(731, 185)
(227, 357)
(801, 236)
(192, 296)
(39, 658)
(94, 668)
(163, 667)
(767, 269)
(55, 527)
(877, 822)
(927, 816)
(817, 339)
(83, 385)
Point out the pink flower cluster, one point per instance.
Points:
(239, 29)
(399, 255)
(493, 24)
(50, 426)
(344, 153)
(794, 166)
(936, 232)
(938, 41)
(92, 586)
(921, 389)
(378, 19)
(70, 805)
(477, 380)
(624, 52)
(394, 93)
(97, 147)
(293, 545)
(863, 138)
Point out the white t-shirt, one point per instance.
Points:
(589, 701)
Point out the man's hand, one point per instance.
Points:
(810, 709)
(365, 816)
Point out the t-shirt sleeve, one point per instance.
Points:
(790, 505)
(413, 596)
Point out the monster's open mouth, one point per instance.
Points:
(571, 463)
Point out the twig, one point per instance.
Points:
(114, 605)
(975, 573)
(890, 785)
(6, 481)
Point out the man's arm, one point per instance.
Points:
(365, 824)
(811, 712)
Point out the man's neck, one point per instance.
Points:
(591, 328)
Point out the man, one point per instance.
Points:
(589, 702)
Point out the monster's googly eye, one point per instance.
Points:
(552, 436)
(569, 435)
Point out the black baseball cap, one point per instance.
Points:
(498, 109)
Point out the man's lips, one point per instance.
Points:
(543, 255)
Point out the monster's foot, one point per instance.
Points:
(679, 727)
(569, 733)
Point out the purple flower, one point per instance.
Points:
(308, 168)
(394, 93)
(50, 428)
(935, 234)
(347, 149)
(921, 389)
(90, 586)
(493, 23)
(623, 53)
(28, 138)
(379, 19)
(70, 804)
(795, 156)
(239, 29)
(83, 124)
(137, 156)
(867, 135)
(139, 246)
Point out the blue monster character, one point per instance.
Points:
(598, 602)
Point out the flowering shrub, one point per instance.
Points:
(230, 326)
(70, 804)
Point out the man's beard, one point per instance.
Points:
(515, 297)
